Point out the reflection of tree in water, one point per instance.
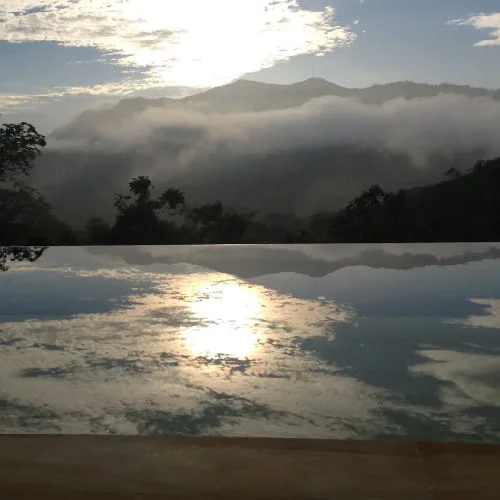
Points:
(19, 254)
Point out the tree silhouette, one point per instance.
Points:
(141, 187)
(138, 219)
(212, 223)
(462, 207)
(361, 220)
(369, 199)
(25, 216)
(20, 144)
(172, 198)
(17, 254)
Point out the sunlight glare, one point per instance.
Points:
(226, 310)
(191, 43)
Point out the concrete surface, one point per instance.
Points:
(106, 467)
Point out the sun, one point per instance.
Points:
(225, 311)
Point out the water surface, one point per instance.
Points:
(318, 341)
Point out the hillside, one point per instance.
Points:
(465, 207)
(298, 160)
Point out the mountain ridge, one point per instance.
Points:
(243, 96)
(298, 161)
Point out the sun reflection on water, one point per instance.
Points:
(226, 311)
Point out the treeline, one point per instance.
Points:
(463, 207)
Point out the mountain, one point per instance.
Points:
(258, 146)
(244, 96)
(379, 94)
(92, 121)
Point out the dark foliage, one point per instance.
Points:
(25, 216)
(20, 144)
(465, 206)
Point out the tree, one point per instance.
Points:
(361, 220)
(212, 223)
(369, 199)
(25, 216)
(138, 218)
(172, 198)
(479, 165)
(27, 219)
(20, 145)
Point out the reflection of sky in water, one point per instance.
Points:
(93, 341)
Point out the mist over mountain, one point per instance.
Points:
(296, 148)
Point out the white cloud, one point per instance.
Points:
(192, 43)
(420, 127)
(468, 379)
(21, 102)
(143, 358)
(483, 22)
(490, 318)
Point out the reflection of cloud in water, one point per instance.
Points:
(468, 379)
(192, 351)
(102, 371)
(421, 401)
(64, 293)
(15, 415)
(490, 318)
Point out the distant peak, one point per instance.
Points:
(246, 82)
(315, 82)
(315, 79)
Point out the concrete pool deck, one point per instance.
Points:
(122, 467)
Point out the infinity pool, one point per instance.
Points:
(318, 341)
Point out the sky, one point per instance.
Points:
(59, 58)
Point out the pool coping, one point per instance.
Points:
(153, 467)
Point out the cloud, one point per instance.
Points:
(483, 22)
(491, 317)
(55, 108)
(419, 126)
(469, 380)
(314, 156)
(94, 366)
(20, 102)
(193, 43)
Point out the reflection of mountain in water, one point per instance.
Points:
(364, 353)
(252, 261)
